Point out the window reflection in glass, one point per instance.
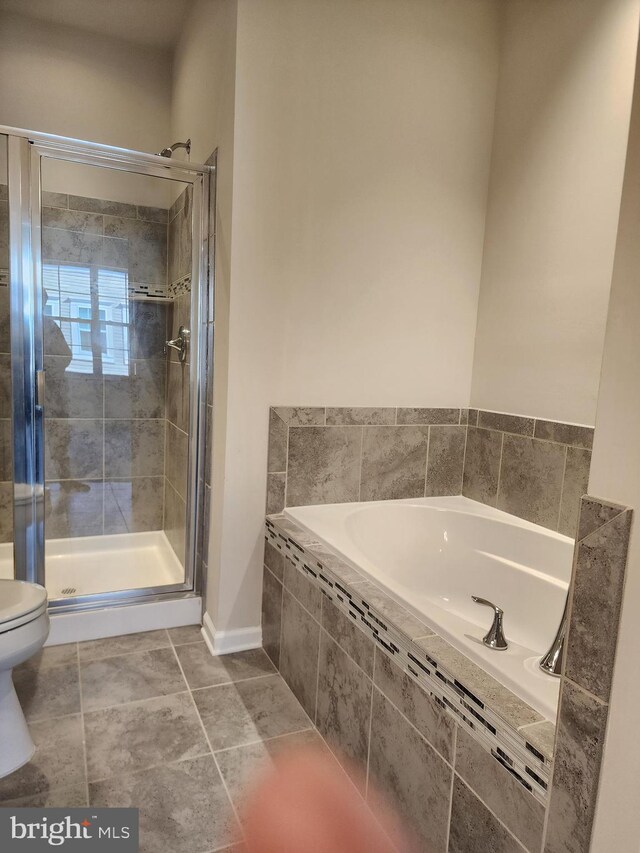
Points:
(90, 307)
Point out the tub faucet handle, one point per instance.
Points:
(495, 638)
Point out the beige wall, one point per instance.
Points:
(379, 126)
(615, 474)
(203, 108)
(60, 80)
(362, 148)
(562, 119)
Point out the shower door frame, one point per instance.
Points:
(26, 151)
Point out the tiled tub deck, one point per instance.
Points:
(512, 731)
(368, 701)
(465, 761)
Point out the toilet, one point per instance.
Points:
(24, 627)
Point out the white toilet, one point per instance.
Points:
(24, 627)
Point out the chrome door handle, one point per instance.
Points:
(494, 638)
(40, 388)
(181, 343)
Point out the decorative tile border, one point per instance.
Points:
(378, 617)
(179, 287)
(140, 289)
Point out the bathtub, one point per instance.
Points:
(432, 554)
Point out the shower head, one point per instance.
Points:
(168, 152)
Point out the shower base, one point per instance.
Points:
(94, 564)
(102, 564)
(86, 565)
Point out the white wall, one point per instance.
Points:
(615, 474)
(203, 108)
(378, 131)
(65, 81)
(361, 158)
(562, 119)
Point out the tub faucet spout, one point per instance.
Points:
(552, 662)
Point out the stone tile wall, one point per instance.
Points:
(331, 455)
(378, 719)
(535, 469)
(107, 434)
(595, 604)
(178, 374)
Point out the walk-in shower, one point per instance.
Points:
(103, 348)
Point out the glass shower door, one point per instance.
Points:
(100, 352)
(118, 306)
(6, 455)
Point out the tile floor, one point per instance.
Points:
(153, 721)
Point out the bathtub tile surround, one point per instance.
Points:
(368, 698)
(393, 462)
(406, 767)
(474, 827)
(432, 702)
(535, 469)
(421, 709)
(581, 734)
(502, 793)
(595, 605)
(323, 465)
(362, 454)
(474, 699)
(343, 701)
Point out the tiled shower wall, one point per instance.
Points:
(106, 432)
(178, 380)
(535, 469)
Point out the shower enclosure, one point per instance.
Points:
(103, 351)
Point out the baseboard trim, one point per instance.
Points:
(127, 619)
(236, 640)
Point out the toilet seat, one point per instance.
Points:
(20, 603)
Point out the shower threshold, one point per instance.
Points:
(86, 565)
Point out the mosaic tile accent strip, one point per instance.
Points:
(138, 288)
(351, 593)
(179, 287)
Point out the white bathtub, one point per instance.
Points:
(433, 554)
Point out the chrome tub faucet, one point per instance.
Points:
(495, 638)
